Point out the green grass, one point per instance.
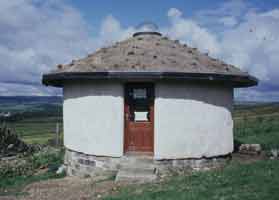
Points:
(33, 118)
(259, 128)
(36, 130)
(255, 181)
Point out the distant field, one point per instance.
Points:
(254, 110)
(33, 118)
(257, 124)
(36, 130)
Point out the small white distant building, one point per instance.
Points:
(5, 114)
(147, 95)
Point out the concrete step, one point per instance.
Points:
(138, 175)
(137, 165)
(140, 162)
(146, 159)
(139, 168)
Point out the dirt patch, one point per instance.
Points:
(70, 188)
(248, 158)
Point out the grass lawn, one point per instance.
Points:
(255, 181)
(33, 118)
(36, 130)
(258, 125)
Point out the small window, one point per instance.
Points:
(141, 116)
(139, 93)
(139, 97)
(140, 106)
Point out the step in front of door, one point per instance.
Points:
(138, 175)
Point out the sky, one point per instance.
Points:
(36, 35)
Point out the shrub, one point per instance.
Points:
(48, 157)
(17, 167)
(26, 166)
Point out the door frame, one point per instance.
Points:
(126, 107)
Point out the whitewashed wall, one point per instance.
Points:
(192, 121)
(93, 118)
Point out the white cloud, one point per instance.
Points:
(112, 31)
(228, 21)
(254, 46)
(174, 13)
(35, 36)
(190, 32)
(227, 13)
(19, 89)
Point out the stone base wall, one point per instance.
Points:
(84, 165)
(165, 167)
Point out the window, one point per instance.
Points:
(140, 105)
(139, 93)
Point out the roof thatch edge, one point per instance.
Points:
(236, 81)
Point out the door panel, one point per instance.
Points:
(139, 117)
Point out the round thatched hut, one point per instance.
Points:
(147, 95)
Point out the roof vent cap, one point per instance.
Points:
(147, 28)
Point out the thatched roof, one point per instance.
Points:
(146, 55)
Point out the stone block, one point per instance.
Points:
(250, 148)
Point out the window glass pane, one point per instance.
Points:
(141, 116)
(139, 93)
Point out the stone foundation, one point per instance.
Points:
(84, 165)
(174, 166)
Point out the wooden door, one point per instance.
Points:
(139, 117)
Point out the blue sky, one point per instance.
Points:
(36, 35)
(133, 12)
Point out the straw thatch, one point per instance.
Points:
(149, 53)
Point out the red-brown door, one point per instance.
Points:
(139, 117)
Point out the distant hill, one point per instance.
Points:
(253, 103)
(19, 104)
(30, 99)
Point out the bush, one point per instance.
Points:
(49, 158)
(17, 167)
(11, 144)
